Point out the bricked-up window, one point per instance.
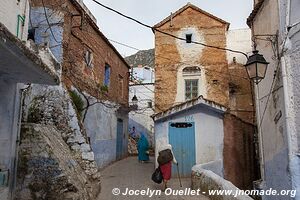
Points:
(88, 57)
(191, 88)
(107, 75)
(188, 38)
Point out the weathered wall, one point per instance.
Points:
(294, 95)
(9, 11)
(172, 55)
(241, 102)
(53, 107)
(239, 153)
(101, 127)
(9, 113)
(79, 35)
(208, 132)
(271, 124)
(43, 34)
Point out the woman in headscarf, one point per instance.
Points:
(143, 147)
(166, 169)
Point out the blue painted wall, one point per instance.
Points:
(101, 128)
(39, 22)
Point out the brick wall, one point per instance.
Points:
(239, 154)
(80, 35)
(169, 58)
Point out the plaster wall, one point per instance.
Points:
(292, 59)
(273, 140)
(9, 11)
(9, 127)
(209, 133)
(43, 35)
(101, 128)
(240, 40)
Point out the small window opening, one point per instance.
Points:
(31, 34)
(188, 38)
(88, 58)
(107, 75)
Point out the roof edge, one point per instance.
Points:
(254, 12)
(189, 5)
(189, 104)
(96, 28)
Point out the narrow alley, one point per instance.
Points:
(129, 173)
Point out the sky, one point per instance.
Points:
(151, 12)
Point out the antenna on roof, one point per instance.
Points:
(171, 21)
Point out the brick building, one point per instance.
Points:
(185, 71)
(92, 68)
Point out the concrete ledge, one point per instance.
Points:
(206, 180)
(21, 63)
(214, 166)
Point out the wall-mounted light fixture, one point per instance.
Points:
(256, 67)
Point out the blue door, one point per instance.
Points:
(182, 139)
(119, 139)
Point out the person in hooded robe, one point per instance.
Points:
(166, 169)
(143, 148)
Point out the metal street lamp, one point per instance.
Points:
(134, 105)
(256, 67)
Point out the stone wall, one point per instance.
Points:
(54, 132)
(48, 168)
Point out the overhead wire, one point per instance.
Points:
(166, 33)
(47, 20)
(180, 62)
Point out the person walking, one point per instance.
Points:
(165, 159)
(143, 149)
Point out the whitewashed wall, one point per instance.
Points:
(240, 40)
(209, 132)
(141, 119)
(9, 11)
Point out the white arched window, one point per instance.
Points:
(191, 81)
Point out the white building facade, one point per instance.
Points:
(142, 87)
(275, 26)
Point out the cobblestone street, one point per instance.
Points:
(131, 174)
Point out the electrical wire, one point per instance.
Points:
(185, 63)
(165, 33)
(47, 20)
